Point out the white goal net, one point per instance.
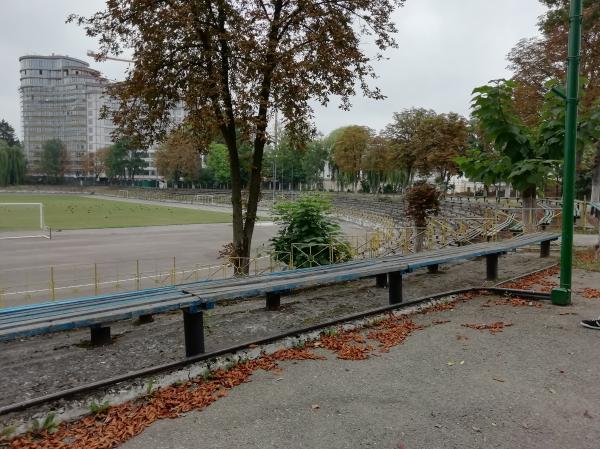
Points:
(22, 220)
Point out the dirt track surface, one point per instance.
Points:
(41, 365)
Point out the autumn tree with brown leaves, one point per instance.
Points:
(424, 141)
(422, 201)
(232, 63)
(178, 156)
(349, 150)
(439, 140)
(93, 163)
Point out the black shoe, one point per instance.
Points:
(591, 324)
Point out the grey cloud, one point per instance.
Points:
(446, 48)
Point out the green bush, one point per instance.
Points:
(308, 237)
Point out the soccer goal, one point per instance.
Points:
(204, 199)
(124, 194)
(22, 220)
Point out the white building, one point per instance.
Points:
(61, 99)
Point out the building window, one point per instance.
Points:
(40, 71)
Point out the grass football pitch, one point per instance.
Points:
(87, 212)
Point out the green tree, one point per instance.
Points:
(217, 161)
(543, 59)
(513, 152)
(313, 163)
(53, 161)
(377, 164)
(123, 161)
(307, 236)
(403, 133)
(7, 133)
(232, 63)
(12, 164)
(439, 140)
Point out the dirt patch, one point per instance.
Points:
(41, 365)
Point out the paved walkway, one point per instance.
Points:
(533, 385)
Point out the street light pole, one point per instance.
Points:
(562, 295)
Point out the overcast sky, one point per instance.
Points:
(446, 48)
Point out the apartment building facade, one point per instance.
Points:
(61, 98)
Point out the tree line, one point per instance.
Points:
(12, 160)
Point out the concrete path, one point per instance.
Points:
(585, 240)
(534, 385)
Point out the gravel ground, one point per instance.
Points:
(36, 366)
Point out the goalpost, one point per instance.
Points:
(22, 220)
(204, 199)
(124, 194)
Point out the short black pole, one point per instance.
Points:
(145, 319)
(433, 269)
(100, 335)
(395, 287)
(193, 329)
(273, 301)
(545, 249)
(381, 280)
(492, 266)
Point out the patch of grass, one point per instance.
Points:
(150, 387)
(8, 432)
(49, 424)
(87, 212)
(99, 408)
(331, 332)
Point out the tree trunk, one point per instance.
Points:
(529, 209)
(595, 197)
(419, 236)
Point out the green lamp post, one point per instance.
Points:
(562, 295)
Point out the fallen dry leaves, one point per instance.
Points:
(392, 332)
(590, 293)
(514, 302)
(535, 281)
(122, 422)
(494, 328)
(441, 307)
(438, 322)
(347, 345)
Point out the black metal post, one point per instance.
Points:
(492, 266)
(273, 301)
(545, 249)
(395, 287)
(193, 329)
(381, 280)
(100, 335)
(145, 319)
(433, 269)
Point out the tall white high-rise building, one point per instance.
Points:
(61, 98)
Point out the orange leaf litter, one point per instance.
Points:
(515, 302)
(493, 327)
(590, 293)
(122, 422)
(534, 280)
